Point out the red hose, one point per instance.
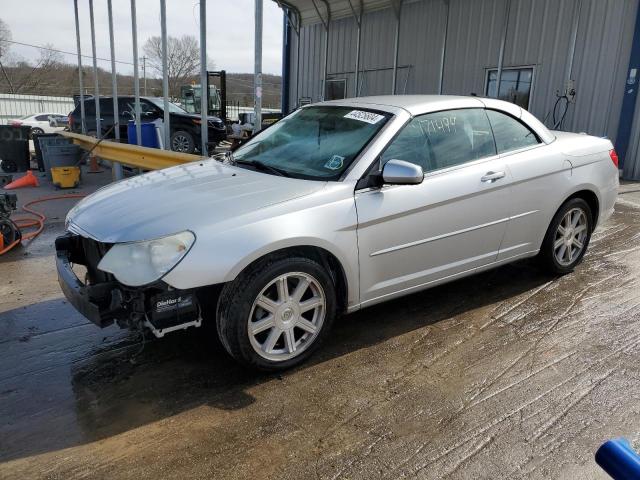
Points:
(38, 222)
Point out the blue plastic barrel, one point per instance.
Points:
(149, 136)
(619, 460)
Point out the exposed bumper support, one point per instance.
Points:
(78, 294)
(156, 306)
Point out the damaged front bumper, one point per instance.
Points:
(103, 300)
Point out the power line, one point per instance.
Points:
(62, 51)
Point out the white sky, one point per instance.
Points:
(230, 29)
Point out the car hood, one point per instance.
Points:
(185, 197)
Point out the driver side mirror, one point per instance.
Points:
(400, 172)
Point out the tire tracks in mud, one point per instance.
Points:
(472, 434)
(632, 342)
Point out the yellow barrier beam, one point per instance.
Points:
(132, 155)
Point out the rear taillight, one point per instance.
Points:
(15, 123)
(614, 157)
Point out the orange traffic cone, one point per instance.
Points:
(29, 180)
(93, 165)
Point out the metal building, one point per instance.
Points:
(535, 50)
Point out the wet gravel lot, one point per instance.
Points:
(507, 374)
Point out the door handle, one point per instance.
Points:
(491, 177)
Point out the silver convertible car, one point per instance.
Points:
(339, 206)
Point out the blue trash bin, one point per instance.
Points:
(149, 136)
(619, 460)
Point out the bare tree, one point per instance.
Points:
(5, 38)
(183, 59)
(32, 76)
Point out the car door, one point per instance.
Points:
(126, 113)
(410, 236)
(538, 172)
(42, 122)
(150, 112)
(106, 117)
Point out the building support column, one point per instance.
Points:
(443, 52)
(503, 43)
(286, 63)
(572, 45)
(298, 41)
(626, 141)
(397, 9)
(326, 23)
(358, 19)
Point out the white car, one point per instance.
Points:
(42, 122)
(339, 206)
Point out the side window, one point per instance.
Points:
(145, 107)
(125, 107)
(106, 106)
(443, 139)
(42, 118)
(510, 134)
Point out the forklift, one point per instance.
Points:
(216, 99)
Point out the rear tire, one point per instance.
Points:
(567, 237)
(276, 313)
(35, 131)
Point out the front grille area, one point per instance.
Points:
(93, 252)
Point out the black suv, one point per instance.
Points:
(185, 127)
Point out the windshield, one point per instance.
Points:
(173, 108)
(316, 143)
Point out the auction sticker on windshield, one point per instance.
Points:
(367, 117)
(335, 163)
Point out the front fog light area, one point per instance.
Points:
(139, 263)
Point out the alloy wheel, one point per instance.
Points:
(287, 316)
(180, 143)
(570, 236)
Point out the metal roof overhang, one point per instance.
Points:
(320, 11)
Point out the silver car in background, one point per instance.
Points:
(339, 206)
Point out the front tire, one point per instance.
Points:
(182, 142)
(276, 313)
(567, 237)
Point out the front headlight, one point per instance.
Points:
(139, 263)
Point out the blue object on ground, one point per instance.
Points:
(619, 460)
(148, 131)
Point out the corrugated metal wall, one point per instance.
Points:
(16, 106)
(538, 34)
